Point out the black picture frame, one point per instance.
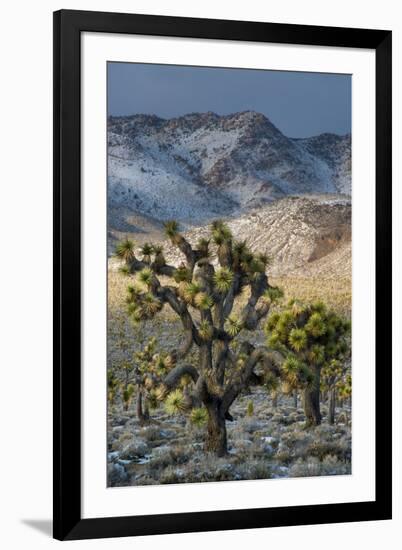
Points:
(68, 26)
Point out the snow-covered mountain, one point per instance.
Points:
(202, 165)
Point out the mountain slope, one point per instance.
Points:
(304, 236)
(201, 166)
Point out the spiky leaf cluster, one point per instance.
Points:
(145, 276)
(233, 325)
(205, 330)
(199, 416)
(221, 232)
(171, 228)
(223, 279)
(182, 273)
(127, 394)
(124, 270)
(175, 402)
(142, 305)
(151, 364)
(308, 335)
(125, 250)
(188, 291)
(203, 301)
(203, 247)
(272, 294)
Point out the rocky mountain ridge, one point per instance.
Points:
(201, 166)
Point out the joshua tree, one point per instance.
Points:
(344, 388)
(336, 381)
(126, 388)
(206, 296)
(310, 337)
(150, 369)
(272, 383)
(113, 385)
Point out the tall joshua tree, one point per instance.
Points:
(205, 296)
(311, 338)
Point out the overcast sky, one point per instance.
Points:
(299, 104)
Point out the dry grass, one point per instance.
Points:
(336, 292)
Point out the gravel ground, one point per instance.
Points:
(270, 443)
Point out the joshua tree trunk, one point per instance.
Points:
(146, 409)
(275, 400)
(311, 400)
(216, 440)
(331, 406)
(295, 399)
(142, 416)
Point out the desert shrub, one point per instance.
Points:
(312, 466)
(283, 456)
(151, 433)
(322, 449)
(249, 425)
(171, 474)
(306, 468)
(254, 469)
(134, 450)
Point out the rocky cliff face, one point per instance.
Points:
(202, 166)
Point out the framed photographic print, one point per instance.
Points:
(222, 275)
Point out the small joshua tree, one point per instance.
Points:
(150, 369)
(205, 297)
(127, 389)
(272, 383)
(310, 337)
(337, 382)
(344, 388)
(113, 385)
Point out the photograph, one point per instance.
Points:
(229, 274)
(205, 353)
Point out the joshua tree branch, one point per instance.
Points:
(201, 392)
(230, 296)
(185, 347)
(269, 359)
(221, 360)
(173, 378)
(191, 255)
(169, 295)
